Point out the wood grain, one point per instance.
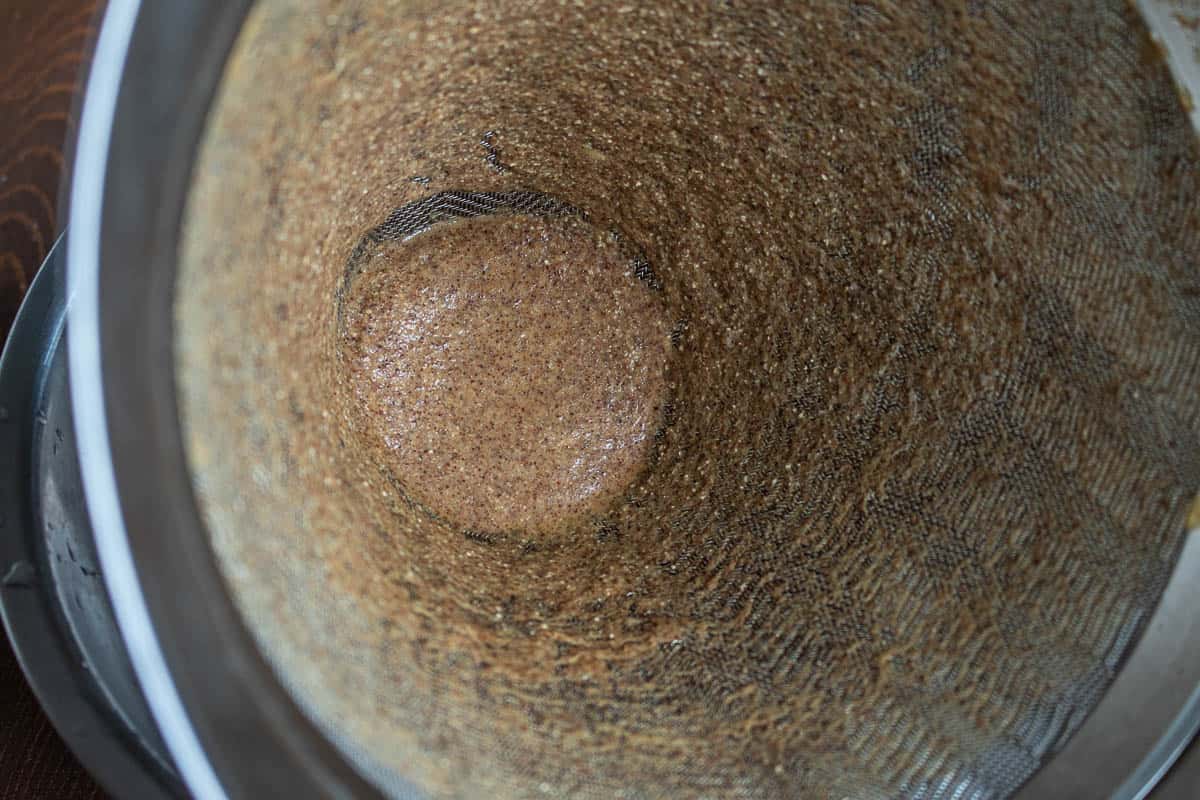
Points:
(43, 47)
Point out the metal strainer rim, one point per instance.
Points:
(137, 135)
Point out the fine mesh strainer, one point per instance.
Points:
(908, 295)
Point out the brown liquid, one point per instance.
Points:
(512, 368)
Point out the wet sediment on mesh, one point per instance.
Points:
(930, 426)
(509, 371)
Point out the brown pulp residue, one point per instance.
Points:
(932, 430)
(512, 367)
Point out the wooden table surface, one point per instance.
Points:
(43, 47)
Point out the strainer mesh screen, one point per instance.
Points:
(931, 272)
